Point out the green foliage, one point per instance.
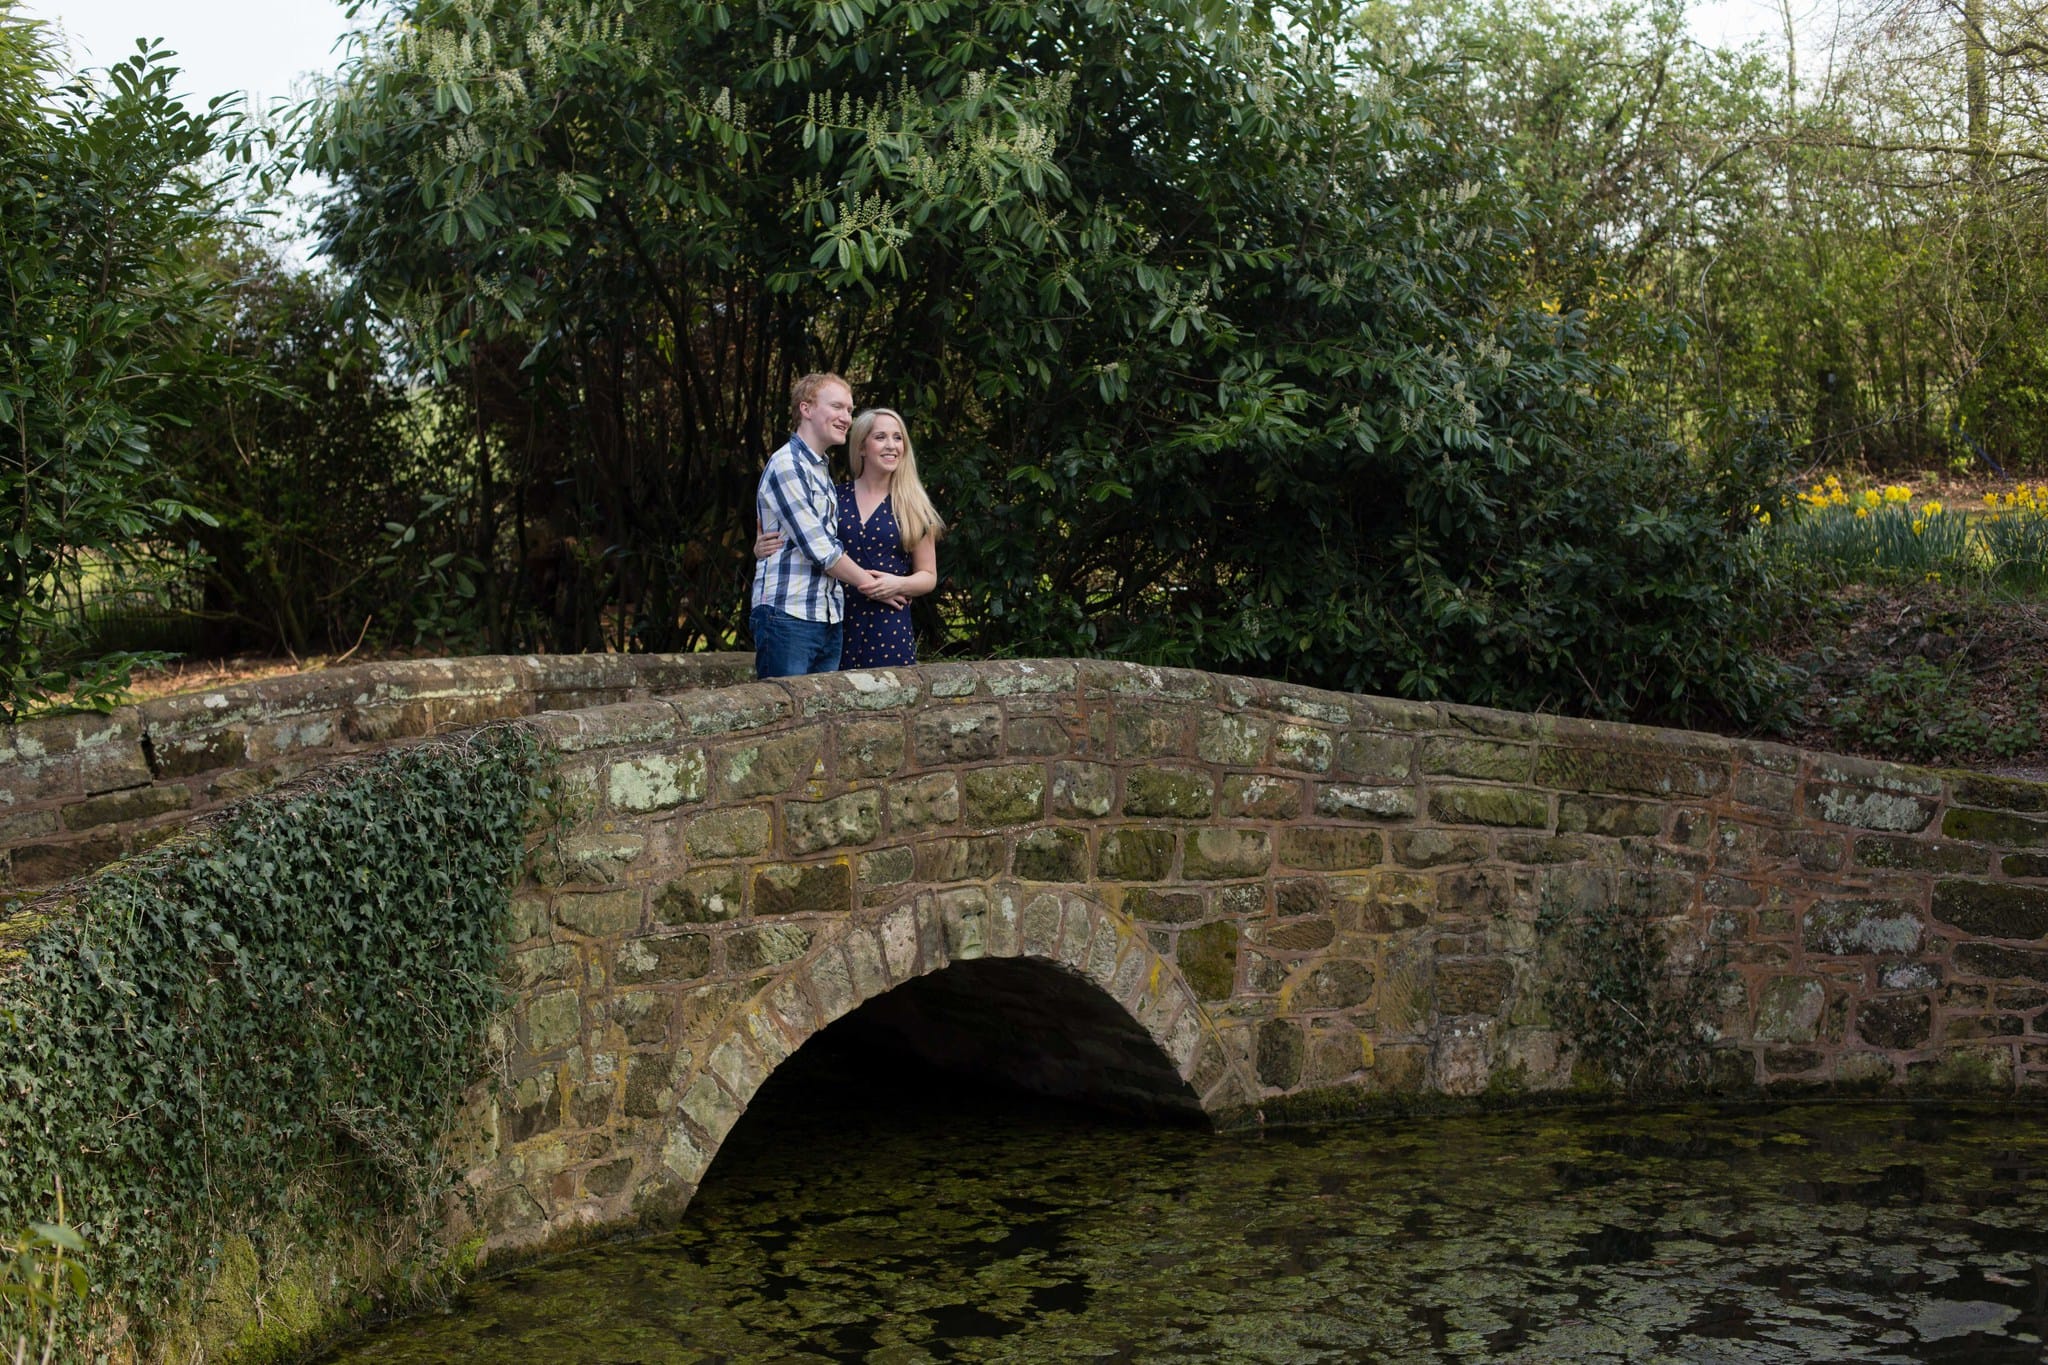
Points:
(298, 992)
(1215, 329)
(1923, 712)
(1637, 1020)
(325, 512)
(104, 319)
(42, 1281)
(1887, 541)
(2016, 541)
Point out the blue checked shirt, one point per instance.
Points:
(796, 495)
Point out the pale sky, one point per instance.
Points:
(259, 47)
(263, 46)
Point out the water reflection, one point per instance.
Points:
(893, 1217)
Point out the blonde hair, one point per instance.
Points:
(805, 390)
(916, 518)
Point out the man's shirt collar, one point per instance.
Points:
(803, 449)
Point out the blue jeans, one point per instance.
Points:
(786, 646)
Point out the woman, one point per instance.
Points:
(888, 526)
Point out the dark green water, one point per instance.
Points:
(854, 1220)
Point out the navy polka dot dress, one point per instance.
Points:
(876, 636)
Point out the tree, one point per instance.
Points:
(1213, 321)
(104, 313)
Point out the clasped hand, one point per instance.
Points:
(886, 588)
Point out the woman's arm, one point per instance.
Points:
(897, 589)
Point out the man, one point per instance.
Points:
(799, 591)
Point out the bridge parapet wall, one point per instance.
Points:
(78, 791)
(1287, 891)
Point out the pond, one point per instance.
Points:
(887, 1214)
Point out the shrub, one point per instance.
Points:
(298, 990)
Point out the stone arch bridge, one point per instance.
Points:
(1168, 890)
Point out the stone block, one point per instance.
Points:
(643, 1016)
(1473, 985)
(673, 957)
(1304, 748)
(1789, 1010)
(1281, 1050)
(1543, 849)
(1349, 801)
(1431, 847)
(1995, 827)
(1082, 791)
(1777, 793)
(1908, 976)
(1648, 770)
(187, 755)
(1231, 740)
(887, 867)
(528, 918)
(1992, 909)
(751, 949)
(957, 734)
(961, 860)
(1450, 756)
(599, 914)
(814, 826)
(553, 1021)
(1489, 806)
(1998, 793)
(533, 1108)
(742, 832)
(655, 781)
(1331, 984)
(921, 802)
(1214, 854)
(1868, 807)
(1035, 736)
(139, 803)
(524, 971)
(779, 763)
(1052, 855)
(115, 767)
(648, 1087)
(1154, 905)
(1298, 936)
(1150, 732)
(1331, 850)
(1171, 793)
(1260, 797)
(1005, 796)
(1135, 853)
(803, 888)
(1371, 754)
(1862, 926)
(2033, 866)
(870, 748)
(1609, 816)
(703, 895)
(1207, 956)
(592, 859)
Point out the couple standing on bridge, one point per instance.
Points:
(876, 533)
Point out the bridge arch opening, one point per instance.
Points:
(1037, 989)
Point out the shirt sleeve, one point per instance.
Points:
(785, 496)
